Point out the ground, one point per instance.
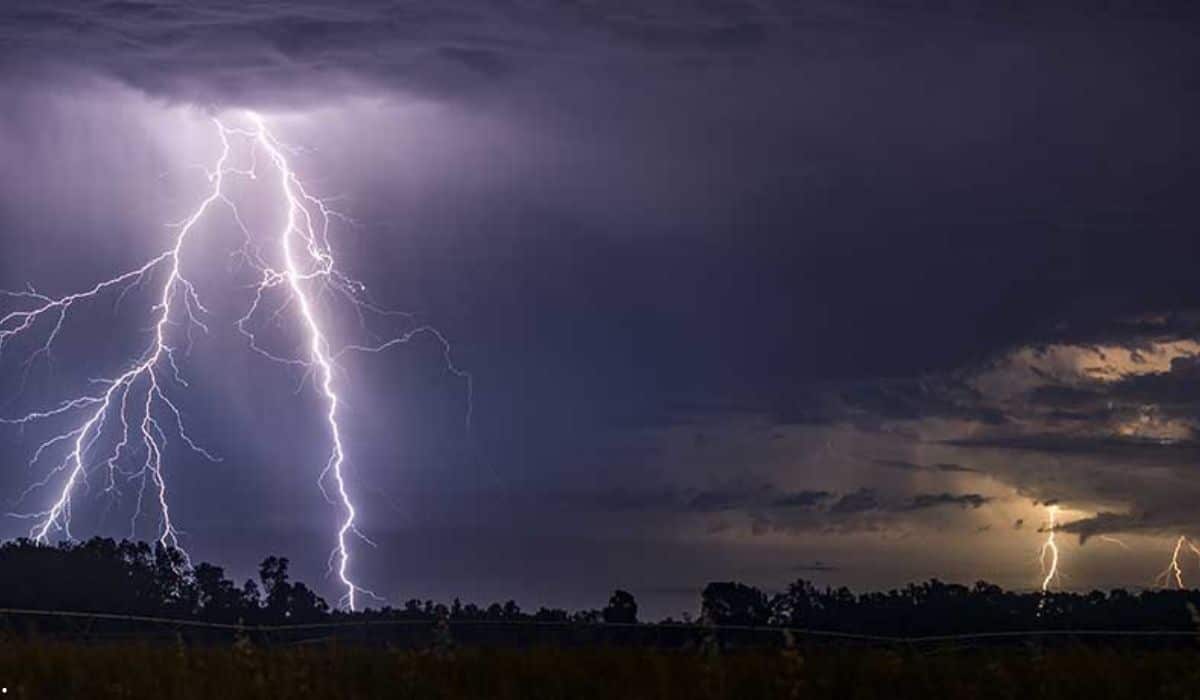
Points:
(136, 670)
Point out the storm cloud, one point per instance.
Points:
(740, 283)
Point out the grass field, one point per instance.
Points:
(127, 670)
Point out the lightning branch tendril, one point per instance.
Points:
(132, 412)
(1113, 540)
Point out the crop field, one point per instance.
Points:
(55, 669)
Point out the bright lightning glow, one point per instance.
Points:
(138, 399)
(1049, 554)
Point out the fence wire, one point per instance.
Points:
(418, 633)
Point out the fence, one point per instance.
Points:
(95, 627)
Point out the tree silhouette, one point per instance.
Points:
(732, 603)
(135, 578)
(621, 608)
(293, 602)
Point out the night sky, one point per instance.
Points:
(750, 290)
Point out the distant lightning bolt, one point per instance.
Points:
(1174, 571)
(138, 400)
(1049, 553)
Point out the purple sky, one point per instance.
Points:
(750, 290)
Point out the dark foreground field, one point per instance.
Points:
(59, 670)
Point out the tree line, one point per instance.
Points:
(136, 578)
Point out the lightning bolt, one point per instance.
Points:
(1174, 571)
(1049, 552)
(1113, 540)
(136, 405)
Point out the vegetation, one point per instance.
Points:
(742, 646)
(135, 578)
(232, 672)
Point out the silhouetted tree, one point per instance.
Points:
(292, 602)
(273, 572)
(586, 617)
(217, 597)
(732, 603)
(104, 575)
(798, 606)
(621, 608)
(551, 615)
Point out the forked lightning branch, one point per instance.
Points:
(119, 425)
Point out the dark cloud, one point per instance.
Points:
(873, 227)
(1069, 397)
(1166, 513)
(954, 468)
(735, 495)
(228, 52)
(1144, 451)
(1178, 387)
(301, 49)
(900, 464)
(944, 467)
(866, 500)
(944, 396)
(1103, 523)
(801, 499)
(765, 507)
(859, 501)
(1136, 330)
(933, 500)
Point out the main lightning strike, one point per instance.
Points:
(318, 346)
(138, 398)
